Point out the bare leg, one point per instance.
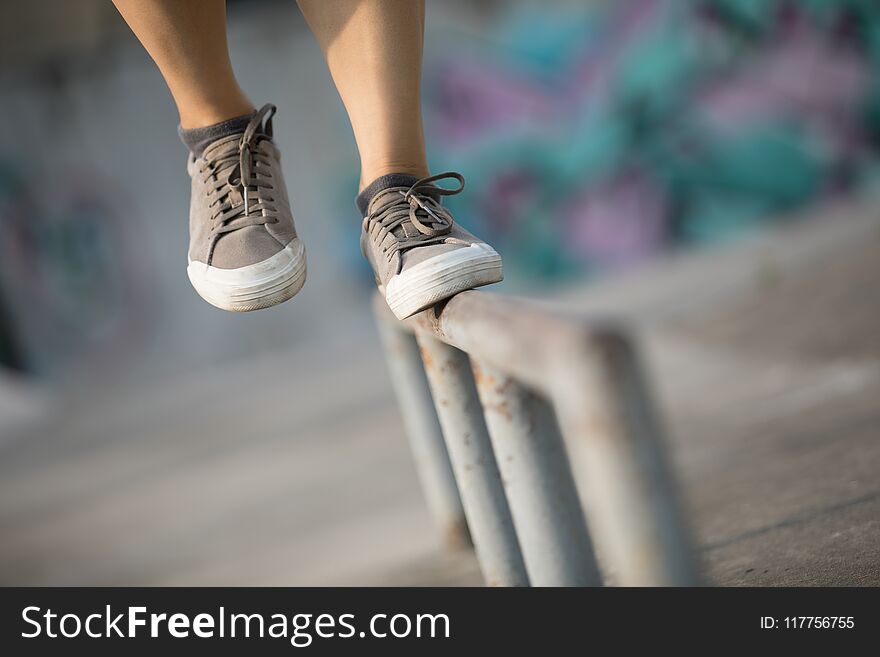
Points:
(374, 51)
(187, 40)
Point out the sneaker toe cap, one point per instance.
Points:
(244, 247)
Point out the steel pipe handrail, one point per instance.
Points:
(590, 374)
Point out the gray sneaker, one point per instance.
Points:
(418, 253)
(243, 253)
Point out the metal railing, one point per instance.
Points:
(487, 387)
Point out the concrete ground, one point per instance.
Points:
(767, 360)
(293, 469)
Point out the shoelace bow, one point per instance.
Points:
(239, 170)
(416, 207)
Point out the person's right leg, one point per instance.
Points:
(244, 252)
(419, 254)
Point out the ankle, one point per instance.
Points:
(387, 181)
(197, 140)
(375, 171)
(207, 113)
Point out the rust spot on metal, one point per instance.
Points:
(480, 377)
(502, 408)
(456, 535)
(426, 358)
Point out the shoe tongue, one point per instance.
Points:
(381, 184)
(408, 230)
(404, 229)
(222, 146)
(229, 143)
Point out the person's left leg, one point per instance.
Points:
(374, 52)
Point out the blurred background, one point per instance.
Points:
(706, 170)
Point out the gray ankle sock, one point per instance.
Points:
(198, 139)
(383, 182)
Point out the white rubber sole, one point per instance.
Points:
(256, 286)
(441, 277)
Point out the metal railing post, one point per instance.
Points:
(538, 482)
(470, 450)
(423, 430)
(630, 501)
(591, 373)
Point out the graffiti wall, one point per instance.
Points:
(71, 276)
(594, 137)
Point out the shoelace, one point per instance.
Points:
(238, 170)
(416, 207)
